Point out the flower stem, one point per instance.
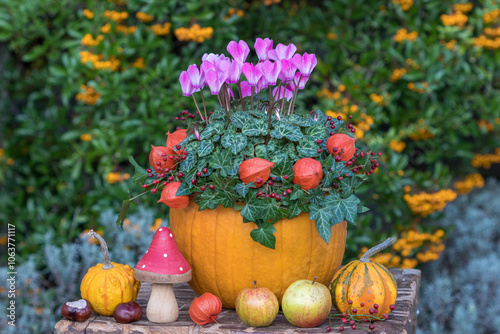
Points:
(374, 250)
(105, 253)
(241, 96)
(204, 106)
(196, 104)
(252, 90)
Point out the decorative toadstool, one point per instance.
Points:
(163, 265)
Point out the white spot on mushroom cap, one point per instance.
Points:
(165, 255)
(171, 235)
(160, 229)
(181, 269)
(147, 251)
(144, 266)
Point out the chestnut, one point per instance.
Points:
(127, 312)
(78, 310)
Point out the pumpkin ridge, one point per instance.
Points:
(215, 252)
(89, 283)
(345, 283)
(389, 297)
(387, 272)
(105, 295)
(386, 288)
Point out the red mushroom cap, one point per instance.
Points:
(163, 262)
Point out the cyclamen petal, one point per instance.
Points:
(212, 79)
(252, 73)
(262, 84)
(239, 50)
(262, 47)
(212, 57)
(305, 63)
(197, 77)
(282, 52)
(234, 72)
(271, 71)
(283, 90)
(303, 80)
(186, 85)
(287, 72)
(246, 89)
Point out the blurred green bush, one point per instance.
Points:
(88, 83)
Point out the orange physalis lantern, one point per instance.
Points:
(169, 198)
(174, 139)
(205, 309)
(160, 157)
(308, 173)
(343, 144)
(255, 170)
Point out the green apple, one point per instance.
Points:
(306, 303)
(257, 307)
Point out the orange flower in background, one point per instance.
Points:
(143, 17)
(161, 29)
(341, 145)
(308, 173)
(255, 170)
(170, 199)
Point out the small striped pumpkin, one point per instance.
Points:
(365, 283)
(226, 260)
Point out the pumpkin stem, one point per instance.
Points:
(255, 284)
(314, 279)
(105, 253)
(374, 250)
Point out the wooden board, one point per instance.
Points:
(402, 320)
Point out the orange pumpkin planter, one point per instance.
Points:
(365, 283)
(225, 259)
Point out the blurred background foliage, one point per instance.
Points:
(85, 84)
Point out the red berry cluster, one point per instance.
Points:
(269, 192)
(188, 115)
(351, 318)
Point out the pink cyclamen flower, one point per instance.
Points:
(246, 89)
(262, 84)
(283, 90)
(262, 47)
(287, 72)
(234, 72)
(212, 57)
(305, 63)
(186, 85)
(197, 77)
(239, 50)
(282, 52)
(271, 71)
(216, 75)
(291, 85)
(252, 73)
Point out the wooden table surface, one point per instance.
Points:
(401, 320)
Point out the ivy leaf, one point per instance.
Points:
(140, 174)
(224, 189)
(239, 119)
(223, 161)
(186, 188)
(253, 209)
(323, 216)
(294, 210)
(292, 132)
(282, 167)
(189, 163)
(187, 140)
(341, 170)
(243, 189)
(362, 209)
(236, 141)
(206, 200)
(264, 234)
(206, 147)
(211, 129)
(342, 208)
(218, 113)
(255, 127)
(271, 210)
(328, 179)
(192, 146)
(123, 213)
(349, 184)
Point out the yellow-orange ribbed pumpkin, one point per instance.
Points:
(365, 283)
(225, 259)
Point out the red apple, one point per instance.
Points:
(257, 307)
(306, 303)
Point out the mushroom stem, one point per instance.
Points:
(374, 250)
(104, 247)
(162, 305)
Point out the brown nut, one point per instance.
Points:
(78, 310)
(127, 312)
